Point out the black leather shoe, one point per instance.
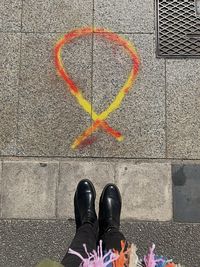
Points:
(109, 209)
(84, 203)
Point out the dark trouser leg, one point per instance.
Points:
(86, 234)
(112, 239)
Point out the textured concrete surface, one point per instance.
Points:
(24, 243)
(39, 118)
(56, 16)
(9, 83)
(29, 189)
(146, 191)
(45, 189)
(71, 173)
(49, 116)
(141, 116)
(159, 118)
(125, 16)
(10, 15)
(183, 108)
(186, 192)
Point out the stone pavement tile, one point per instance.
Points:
(50, 118)
(56, 16)
(9, 83)
(186, 192)
(10, 15)
(25, 242)
(146, 191)
(71, 172)
(183, 108)
(125, 16)
(141, 116)
(29, 189)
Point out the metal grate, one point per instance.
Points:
(178, 28)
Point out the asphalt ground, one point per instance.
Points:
(25, 242)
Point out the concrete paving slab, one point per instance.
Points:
(9, 83)
(141, 116)
(29, 189)
(56, 16)
(183, 109)
(125, 16)
(10, 15)
(71, 172)
(186, 192)
(146, 191)
(24, 243)
(50, 118)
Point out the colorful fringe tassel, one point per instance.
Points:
(96, 259)
(127, 257)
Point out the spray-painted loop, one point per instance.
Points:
(98, 119)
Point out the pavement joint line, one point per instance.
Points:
(22, 9)
(3, 19)
(18, 93)
(166, 125)
(173, 201)
(131, 221)
(57, 189)
(1, 191)
(92, 69)
(17, 157)
(103, 160)
(115, 173)
(62, 32)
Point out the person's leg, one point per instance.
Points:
(109, 218)
(86, 223)
(112, 239)
(86, 234)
